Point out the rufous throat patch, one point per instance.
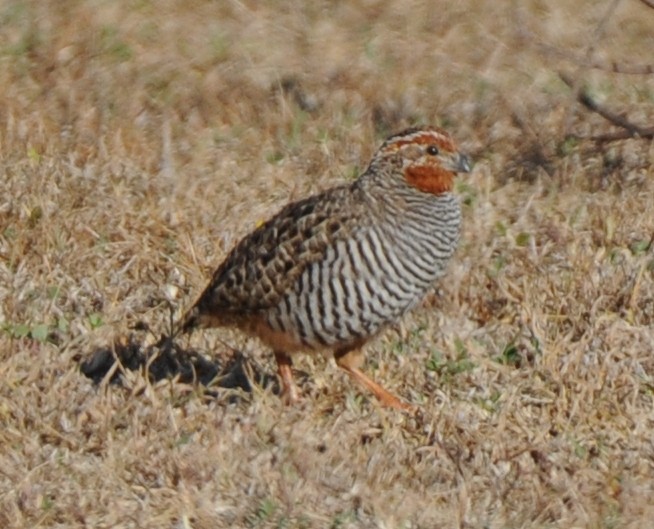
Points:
(430, 179)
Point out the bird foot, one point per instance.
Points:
(391, 401)
(385, 397)
(290, 392)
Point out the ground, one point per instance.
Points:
(139, 140)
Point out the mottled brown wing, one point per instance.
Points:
(267, 263)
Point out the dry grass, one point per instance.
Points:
(139, 140)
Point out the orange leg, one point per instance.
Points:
(350, 361)
(290, 392)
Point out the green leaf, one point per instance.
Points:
(435, 362)
(36, 214)
(353, 173)
(20, 331)
(640, 247)
(62, 324)
(567, 146)
(510, 356)
(33, 155)
(448, 368)
(460, 348)
(53, 291)
(274, 157)
(40, 332)
(95, 319)
(522, 239)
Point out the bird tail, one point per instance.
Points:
(189, 322)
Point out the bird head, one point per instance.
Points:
(428, 157)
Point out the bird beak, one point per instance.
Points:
(460, 163)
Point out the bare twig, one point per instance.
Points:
(631, 130)
(648, 133)
(627, 69)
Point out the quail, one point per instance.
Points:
(331, 271)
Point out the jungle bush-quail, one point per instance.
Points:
(329, 272)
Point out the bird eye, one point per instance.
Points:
(433, 150)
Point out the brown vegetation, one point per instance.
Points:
(139, 140)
